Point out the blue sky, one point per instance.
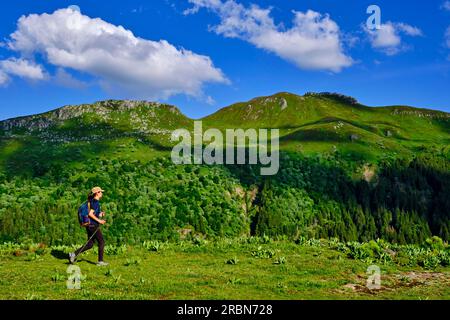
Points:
(202, 55)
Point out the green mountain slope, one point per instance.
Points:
(325, 122)
(313, 123)
(346, 170)
(118, 129)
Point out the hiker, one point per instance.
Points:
(93, 228)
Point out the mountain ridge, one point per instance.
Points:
(310, 124)
(130, 104)
(68, 112)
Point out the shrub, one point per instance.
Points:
(355, 250)
(132, 261)
(253, 240)
(114, 250)
(152, 245)
(444, 257)
(33, 257)
(199, 241)
(233, 261)
(313, 242)
(109, 273)
(263, 253)
(58, 277)
(429, 261)
(372, 248)
(435, 243)
(234, 281)
(280, 260)
(265, 239)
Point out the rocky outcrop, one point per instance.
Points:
(284, 104)
(102, 109)
(420, 113)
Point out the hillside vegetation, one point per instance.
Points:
(347, 171)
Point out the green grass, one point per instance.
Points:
(223, 269)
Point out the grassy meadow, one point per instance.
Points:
(252, 268)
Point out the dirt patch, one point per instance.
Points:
(368, 173)
(397, 281)
(247, 196)
(184, 232)
(363, 288)
(412, 279)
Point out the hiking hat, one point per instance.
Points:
(97, 189)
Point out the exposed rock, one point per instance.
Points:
(421, 113)
(102, 109)
(184, 232)
(284, 104)
(368, 173)
(339, 125)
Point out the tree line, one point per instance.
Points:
(323, 196)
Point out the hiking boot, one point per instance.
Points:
(102, 264)
(72, 258)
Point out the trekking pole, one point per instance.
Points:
(81, 251)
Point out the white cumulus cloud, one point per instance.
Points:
(409, 30)
(3, 78)
(112, 54)
(388, 38)
(314, 41)
(22, 68)
(65, 79)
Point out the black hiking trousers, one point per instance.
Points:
(98, 237)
